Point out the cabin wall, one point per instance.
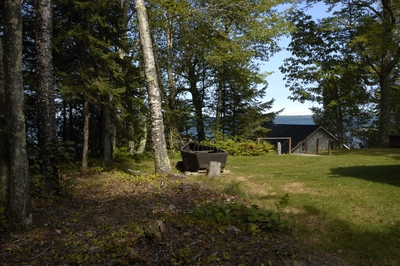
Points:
(310, 144)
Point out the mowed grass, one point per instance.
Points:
(346, 204)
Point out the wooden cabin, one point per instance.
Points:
(302, 138)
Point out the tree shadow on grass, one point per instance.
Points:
(360, 245)
(389, 174)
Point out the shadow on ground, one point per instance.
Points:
(389, 174)
(364, 247)
(122, 220)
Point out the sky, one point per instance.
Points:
(277, 90)
(276, 85)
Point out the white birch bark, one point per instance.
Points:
(161, 160)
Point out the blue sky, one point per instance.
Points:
(276, 85)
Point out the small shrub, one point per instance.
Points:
(122, 155)
(234, 189)
(241, 147)
(252, 218)
(283, 202)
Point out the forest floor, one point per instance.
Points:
(120, 219)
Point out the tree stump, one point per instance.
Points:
(215, 169)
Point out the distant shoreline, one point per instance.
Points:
(294, 115)
(294, 119)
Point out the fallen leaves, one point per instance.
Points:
(119, 219)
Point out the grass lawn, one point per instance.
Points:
(344, 209)
(346, 204)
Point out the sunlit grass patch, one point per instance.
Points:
(345, 204)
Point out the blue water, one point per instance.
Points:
(294, 119)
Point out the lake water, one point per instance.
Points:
(294, 119)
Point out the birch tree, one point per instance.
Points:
(161, 160)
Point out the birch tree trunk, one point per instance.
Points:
(18, 206)
(45, 94)
(161, 160)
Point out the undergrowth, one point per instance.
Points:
(236, 146)
(251, 218)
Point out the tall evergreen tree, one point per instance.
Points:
(3, 133)
(18, 205)
(89, 40)
(45, 94)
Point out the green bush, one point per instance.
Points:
(252, 217)
(122, 155)
(240, 147)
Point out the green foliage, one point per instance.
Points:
(323, 69)
(234, 188)
(216, 46)
(252, 218)
(122, 155)
(283, 202)
(240, 147)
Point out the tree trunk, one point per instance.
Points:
(385, 119)
(197, 102)
(64, 121)
(219, 102)
(390, 58)
(106, 140)
(3, 134)
(339, 118)
(143, 141)
(45, 94)
(113, 138)
(143, 123)
(85, 150)
(172, 114)
(161, 160)
(18, 206)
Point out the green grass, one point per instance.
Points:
(346, 204)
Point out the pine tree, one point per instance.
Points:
(3, 133)
(18, 206)
(89, 41)
(45, 94)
